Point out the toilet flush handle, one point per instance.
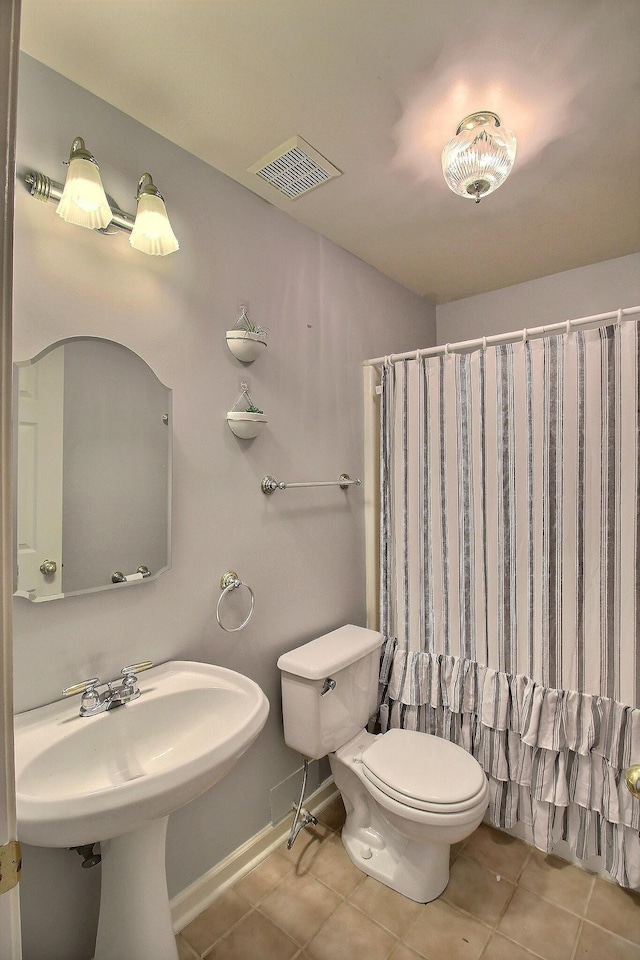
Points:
(327, 686)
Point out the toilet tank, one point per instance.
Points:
(329, 689)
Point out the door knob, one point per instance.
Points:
(632, 780)
(48, 567)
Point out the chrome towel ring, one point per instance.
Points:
(230, 581)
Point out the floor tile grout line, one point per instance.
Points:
(373, 919)
(483, 863)
(306, 943)
(525, 862)
(195, 955)
(225, 936)
(493, 926)
(512, 883)
(553, 903)
(271, 889)
(300, 947)
(611, 933)
(345, 901)
(575, 913)
(534, 955)
(226, 933)
(577, 939)
(465, 913)
(587, 873)
(410, 928)
(483, 952)
(590, 894)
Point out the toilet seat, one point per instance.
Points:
(424, 772)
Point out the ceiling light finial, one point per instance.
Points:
(480, 157)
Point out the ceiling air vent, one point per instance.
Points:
(294, 168)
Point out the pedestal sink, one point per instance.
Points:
(117, 776)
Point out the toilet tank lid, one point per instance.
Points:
(332, 652)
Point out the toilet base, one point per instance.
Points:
(417, 871)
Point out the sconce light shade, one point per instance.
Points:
(83, 200)
(480, 156)
(152, 232)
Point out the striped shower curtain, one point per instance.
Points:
(510, 576)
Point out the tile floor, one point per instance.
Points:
(505, 901)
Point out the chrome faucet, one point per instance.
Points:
(116, 694)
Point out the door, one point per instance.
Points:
(39, 491)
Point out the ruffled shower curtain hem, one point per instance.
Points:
(555, 759)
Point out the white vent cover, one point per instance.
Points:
(294, 168)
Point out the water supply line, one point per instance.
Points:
(307, 817)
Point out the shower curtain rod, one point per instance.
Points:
(524, 334)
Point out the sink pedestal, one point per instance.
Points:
(135, 919)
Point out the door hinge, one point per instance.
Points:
(10, 866)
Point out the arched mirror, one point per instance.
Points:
(93, 470)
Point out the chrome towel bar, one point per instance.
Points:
(269, 484)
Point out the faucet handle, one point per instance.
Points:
(90, 696)
(129, 689)
(131, 671)
(86, 686)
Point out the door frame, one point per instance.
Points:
(10, 946)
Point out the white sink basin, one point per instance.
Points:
(84, 779)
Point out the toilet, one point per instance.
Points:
(408, 795)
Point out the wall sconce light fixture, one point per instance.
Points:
(152, 231)
(83, 201)
(480, 157)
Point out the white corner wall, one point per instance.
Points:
(582, 292)
(302, 552)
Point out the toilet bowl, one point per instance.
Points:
(408, 795)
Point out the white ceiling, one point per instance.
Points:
(378, 87)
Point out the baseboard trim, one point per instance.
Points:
(199, 895)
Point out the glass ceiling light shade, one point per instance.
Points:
(83, 199)
(152, 231)
(480, 156)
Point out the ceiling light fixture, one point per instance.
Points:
(84, 202)
(480, 156)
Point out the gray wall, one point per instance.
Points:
(301, 551)
(582, 292)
